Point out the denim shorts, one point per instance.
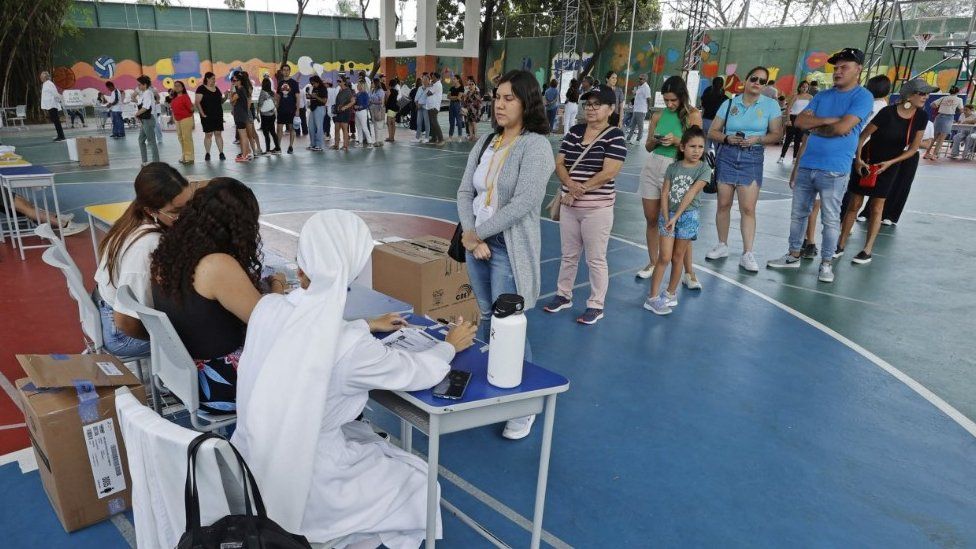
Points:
(739, 166)
(685, 229)
(943, 123)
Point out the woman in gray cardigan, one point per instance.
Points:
(499, 201)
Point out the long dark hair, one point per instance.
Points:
(157, 185)
(221, 218)
(677, 86)
(526, 88)
(182, 85)
(266, 85)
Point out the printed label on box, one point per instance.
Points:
(103, 454)
(109, 369)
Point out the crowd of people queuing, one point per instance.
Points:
(195, 253)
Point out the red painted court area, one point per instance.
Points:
(36, 316)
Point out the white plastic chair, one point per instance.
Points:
(91, 319)
(20, 115)
(172, 364)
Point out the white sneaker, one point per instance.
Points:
(518, 428)
(887, 222)
(826, 273)
(861, 219)
(690, 283)
(748, 262)
(672, 298)
(719, 251)
(646, 272)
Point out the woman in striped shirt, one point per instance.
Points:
(589, 158)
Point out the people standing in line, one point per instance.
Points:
(586, 84)
(240, 100)
(252, 132)
(157, 112)
(268, 107)
(114, 103)
(711, 99)
(571, 106)
(589, 159)
(679, 220)
(209, 103)
(471, 101)
(616, 119)
(302, 96)
(664, 133)
(797, 103)
(880, 88)
(948, 107)
(895, 134)
(124, 255)
(435, 96)
(51, 103)
(182, 109)
(332, 91)
(363, 130)
(454, 118)
(287, 107)
(345, 101)
(642, 97)
(377, 109)
(498, 203)
(834, 119)
(744, 125)
(551, 97)
(962, 137)
(423, 119)
(392, 109)
(894, 205)
(316, 100)
(147, 122)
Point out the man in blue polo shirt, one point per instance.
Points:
(834, 119)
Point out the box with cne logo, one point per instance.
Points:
(69, 408)
(419, 272)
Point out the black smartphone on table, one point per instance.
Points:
(453, 385)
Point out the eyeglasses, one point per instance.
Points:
(920, 93)
(757, 80)
(172, 216)
(592, 105)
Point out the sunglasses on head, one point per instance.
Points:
(758, 80)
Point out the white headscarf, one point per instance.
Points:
(284, 411)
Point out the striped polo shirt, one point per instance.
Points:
(612, 145)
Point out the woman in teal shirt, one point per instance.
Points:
(743, 126)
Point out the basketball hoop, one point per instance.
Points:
(923, 39)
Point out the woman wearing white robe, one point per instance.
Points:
(304, 377)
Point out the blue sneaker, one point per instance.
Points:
(591, 316)
(658, 305)
(557, 304)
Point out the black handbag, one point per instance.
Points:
(712, 186)
(245, 531)
(456, 250)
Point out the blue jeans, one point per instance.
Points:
(158, 129)
(316, 125)
(454, 119)
(115, 340)
(551, 115)
(118, 125)
(831, 187)
(490, 279)
(423, 122)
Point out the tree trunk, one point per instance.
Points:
(363, 4)
(602, 39)
(484, 42)
(285, 48)
(13, 53)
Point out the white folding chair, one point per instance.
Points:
(91, 319)
(172, 364)
(20, 115)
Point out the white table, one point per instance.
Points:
(34, 179)
(482, 405)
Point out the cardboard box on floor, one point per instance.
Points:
(69, 408)
(419, 272)
(92, 151)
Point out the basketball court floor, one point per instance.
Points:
(769, 409)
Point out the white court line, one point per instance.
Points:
(838, 296)
(13, 426)
(10, 390)
(25, 459)
(937, 214)
(128, 531)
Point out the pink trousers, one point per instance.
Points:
(585, 230)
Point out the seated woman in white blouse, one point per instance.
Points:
(123, 255)
(305, 376)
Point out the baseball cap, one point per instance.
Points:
(916, 86)
(847, 54)
(604, 96)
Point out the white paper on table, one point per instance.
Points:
(410, 339)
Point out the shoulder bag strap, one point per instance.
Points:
(588, 147)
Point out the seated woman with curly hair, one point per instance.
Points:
(205, 275)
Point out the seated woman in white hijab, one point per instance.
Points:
(303, 378)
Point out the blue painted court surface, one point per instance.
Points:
(734, 422)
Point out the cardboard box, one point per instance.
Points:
(420, 273)
(92, 151)
(69, 408)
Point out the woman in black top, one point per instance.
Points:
(210, 101)
(205, 275)
(895, 134)
(240, 97)
(454, 109)
(392, 107)
(287, 107)
(711, 100)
